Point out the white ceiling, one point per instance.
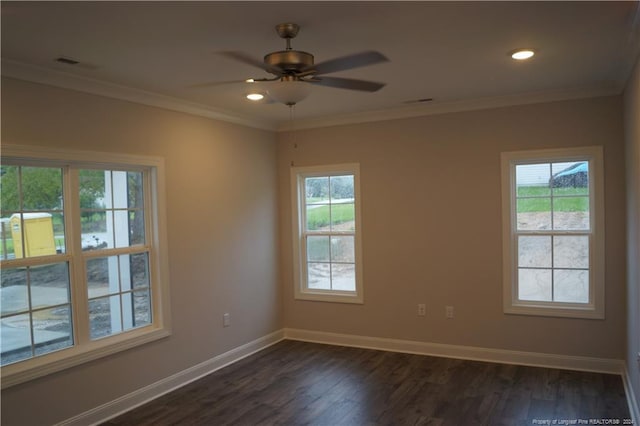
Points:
(453, 52)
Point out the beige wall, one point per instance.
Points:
(431, 220)
(632, 133)
(222, 221)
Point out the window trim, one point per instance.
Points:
(301, 291)
(595, 309)
(28, 369)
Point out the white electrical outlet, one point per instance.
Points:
(422, 309)
(448, 311)
(226, 319)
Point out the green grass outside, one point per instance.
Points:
(59, 242)
(541, 191)
(9, 245)
(319, 217)
(565, 199)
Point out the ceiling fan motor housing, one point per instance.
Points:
(297, 68)
(289, 60)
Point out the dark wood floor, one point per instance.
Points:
(297, 383)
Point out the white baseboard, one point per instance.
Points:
(141, 396)
(632, 400)
(567, 362)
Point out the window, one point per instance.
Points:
(553, 234)
(83, 274)
(326, 234)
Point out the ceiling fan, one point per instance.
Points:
(295, 70)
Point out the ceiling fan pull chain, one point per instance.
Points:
(292, 136)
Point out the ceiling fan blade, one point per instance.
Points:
(221, 83)
(348, 83)
(214, 83)
(356, 60)
(246, 59)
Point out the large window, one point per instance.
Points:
(327, 256)
(553, 232)
(80, 252)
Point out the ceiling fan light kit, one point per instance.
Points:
(295, 71)
(289, 91)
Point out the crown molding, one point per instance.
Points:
(453, 106)
(36, 74)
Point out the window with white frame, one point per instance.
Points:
(553, 232)
(82, 271)
(326, 233)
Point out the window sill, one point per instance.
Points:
(587, 312)
(330, 297)
(23, 371)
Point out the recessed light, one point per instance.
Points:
(255, 96)
(250, 80)
(522, 54)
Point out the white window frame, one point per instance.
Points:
(301, 289)
(84, 348)
(594, 309)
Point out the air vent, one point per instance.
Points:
(74, 63)
(67, 61)
(419, 101)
